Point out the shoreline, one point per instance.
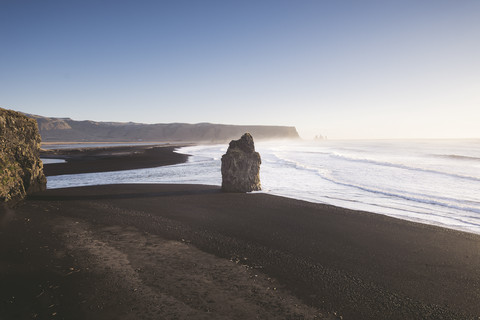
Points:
(130, 157)
(330, 260)
(111, 158)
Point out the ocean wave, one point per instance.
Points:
(425, 200)
(415, 213)
(403, 166)
(456, 157)
(445, 202)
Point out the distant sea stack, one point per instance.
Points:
(241, 166)
(21, 170)
(68, 130)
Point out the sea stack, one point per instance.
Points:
(21, 170)
(241, 166)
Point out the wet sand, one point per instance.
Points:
(193, 252)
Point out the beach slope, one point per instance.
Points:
(191, 251)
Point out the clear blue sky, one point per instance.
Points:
(345, 69)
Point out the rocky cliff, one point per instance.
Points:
(68, 130)
(21, 170)
(241, 166)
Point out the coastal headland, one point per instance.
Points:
(66, 129)
(144, 251)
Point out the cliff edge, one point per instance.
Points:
(21, 170)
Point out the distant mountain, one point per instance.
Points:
(68, 130)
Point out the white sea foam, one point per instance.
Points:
(435, 182)
(48, 161)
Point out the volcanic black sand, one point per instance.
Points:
(193, 252)
(101, 159)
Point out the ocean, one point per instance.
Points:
(429, 181)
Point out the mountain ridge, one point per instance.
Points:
(68, 130)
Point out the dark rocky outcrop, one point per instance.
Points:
(21, 170)
(65, 129)
(241, 166)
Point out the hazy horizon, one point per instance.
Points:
(318, 136)
(345, 70)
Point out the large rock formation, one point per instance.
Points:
(241, 166)
(21, 170)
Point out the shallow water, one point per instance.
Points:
(429, 181)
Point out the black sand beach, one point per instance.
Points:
(193, 252)
(101, 159)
